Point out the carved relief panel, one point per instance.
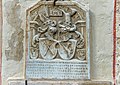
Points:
(58, 41)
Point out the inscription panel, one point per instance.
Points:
(58, 41)
(57, 70)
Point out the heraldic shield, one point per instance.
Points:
(65, 49)
(47, 51)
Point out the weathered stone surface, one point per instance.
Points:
(18, 82)
(61, 83)
(58, 41)
(15, 43)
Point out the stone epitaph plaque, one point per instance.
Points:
(58, 41)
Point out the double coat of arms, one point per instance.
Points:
(58, 41)
(58, 32)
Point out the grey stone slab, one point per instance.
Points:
(16, 82)
(67, 82)
(58, 41)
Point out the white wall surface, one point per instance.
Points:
(14, 19)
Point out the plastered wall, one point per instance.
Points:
(14, 25)
(118, 42)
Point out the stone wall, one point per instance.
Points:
(14, 19)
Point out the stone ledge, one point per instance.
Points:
(67, 82)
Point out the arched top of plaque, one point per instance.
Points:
(81, 5)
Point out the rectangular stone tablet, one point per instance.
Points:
(58, 45)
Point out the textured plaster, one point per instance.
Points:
(14, 25)
(15, 43)
(0, 38)
(101, 12)
(118, 43)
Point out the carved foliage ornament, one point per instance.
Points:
(58, 32)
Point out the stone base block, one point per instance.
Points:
(67, 82)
